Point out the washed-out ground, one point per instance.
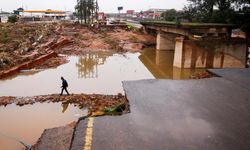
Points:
(67, 39)
(20, 43)
(97, 104)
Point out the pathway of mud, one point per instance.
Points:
(97, 104)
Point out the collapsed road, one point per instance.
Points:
(165, 114)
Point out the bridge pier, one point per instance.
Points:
(209, 54)
(178, 55)
(165, 41)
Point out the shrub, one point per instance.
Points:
(12, 19)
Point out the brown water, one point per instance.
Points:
(100, 72)
(28, 122)
(160, 65)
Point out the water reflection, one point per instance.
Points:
(160, 64)
(205, 54)
(28, 122)
(88, 64)
(64, 107)
(97, 72)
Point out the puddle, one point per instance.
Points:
(28, 122)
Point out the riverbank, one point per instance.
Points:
(38, 41)
(96, 104)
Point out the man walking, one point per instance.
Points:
(64, 85)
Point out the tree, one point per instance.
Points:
(85, 10)
(219, 11)
(242, 17)
(200, 10)
(12, 19)
(170, 15)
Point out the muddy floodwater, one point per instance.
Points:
(28, 122)
(98, 72)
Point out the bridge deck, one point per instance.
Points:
(188, 24)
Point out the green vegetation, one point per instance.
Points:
(116, 110)
(185, 23)
(219, 11)
(211, 13)
(172, 15)
(12, 19)
(131, 27)
(86, 10)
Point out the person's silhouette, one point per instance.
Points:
(64, 86)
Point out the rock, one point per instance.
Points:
(134, 47)
(120, 95)
(39, 38)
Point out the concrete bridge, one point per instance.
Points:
(209, 41)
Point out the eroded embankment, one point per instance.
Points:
(42, 43)
(39, 59)
(96, 104)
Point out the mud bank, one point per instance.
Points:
(95, 103)
(86, 39)
(39, 59)
(45, 41)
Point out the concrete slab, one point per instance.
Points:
(55, 138)
(79, 135)
(210, 114)
(238, 76)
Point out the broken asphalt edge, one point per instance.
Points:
(74, 130)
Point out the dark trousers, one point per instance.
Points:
(64, 88)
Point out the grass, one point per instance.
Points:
(131, 27)
(189, 24)
(118, 109)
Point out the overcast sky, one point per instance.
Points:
(105, 5)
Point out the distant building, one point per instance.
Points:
(43, 15)
(101, 16)
(153, 13)
(4, 16)
(130, 13)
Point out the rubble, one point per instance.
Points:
(201, 75)
(27, 46)
(94, 102)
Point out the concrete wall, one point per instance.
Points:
(165, 41)
(210, 54)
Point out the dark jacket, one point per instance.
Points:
(64, 83)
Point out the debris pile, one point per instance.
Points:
(27, 46)
(19, 41)
(97, 104)
(118, 39)
(201, 75)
